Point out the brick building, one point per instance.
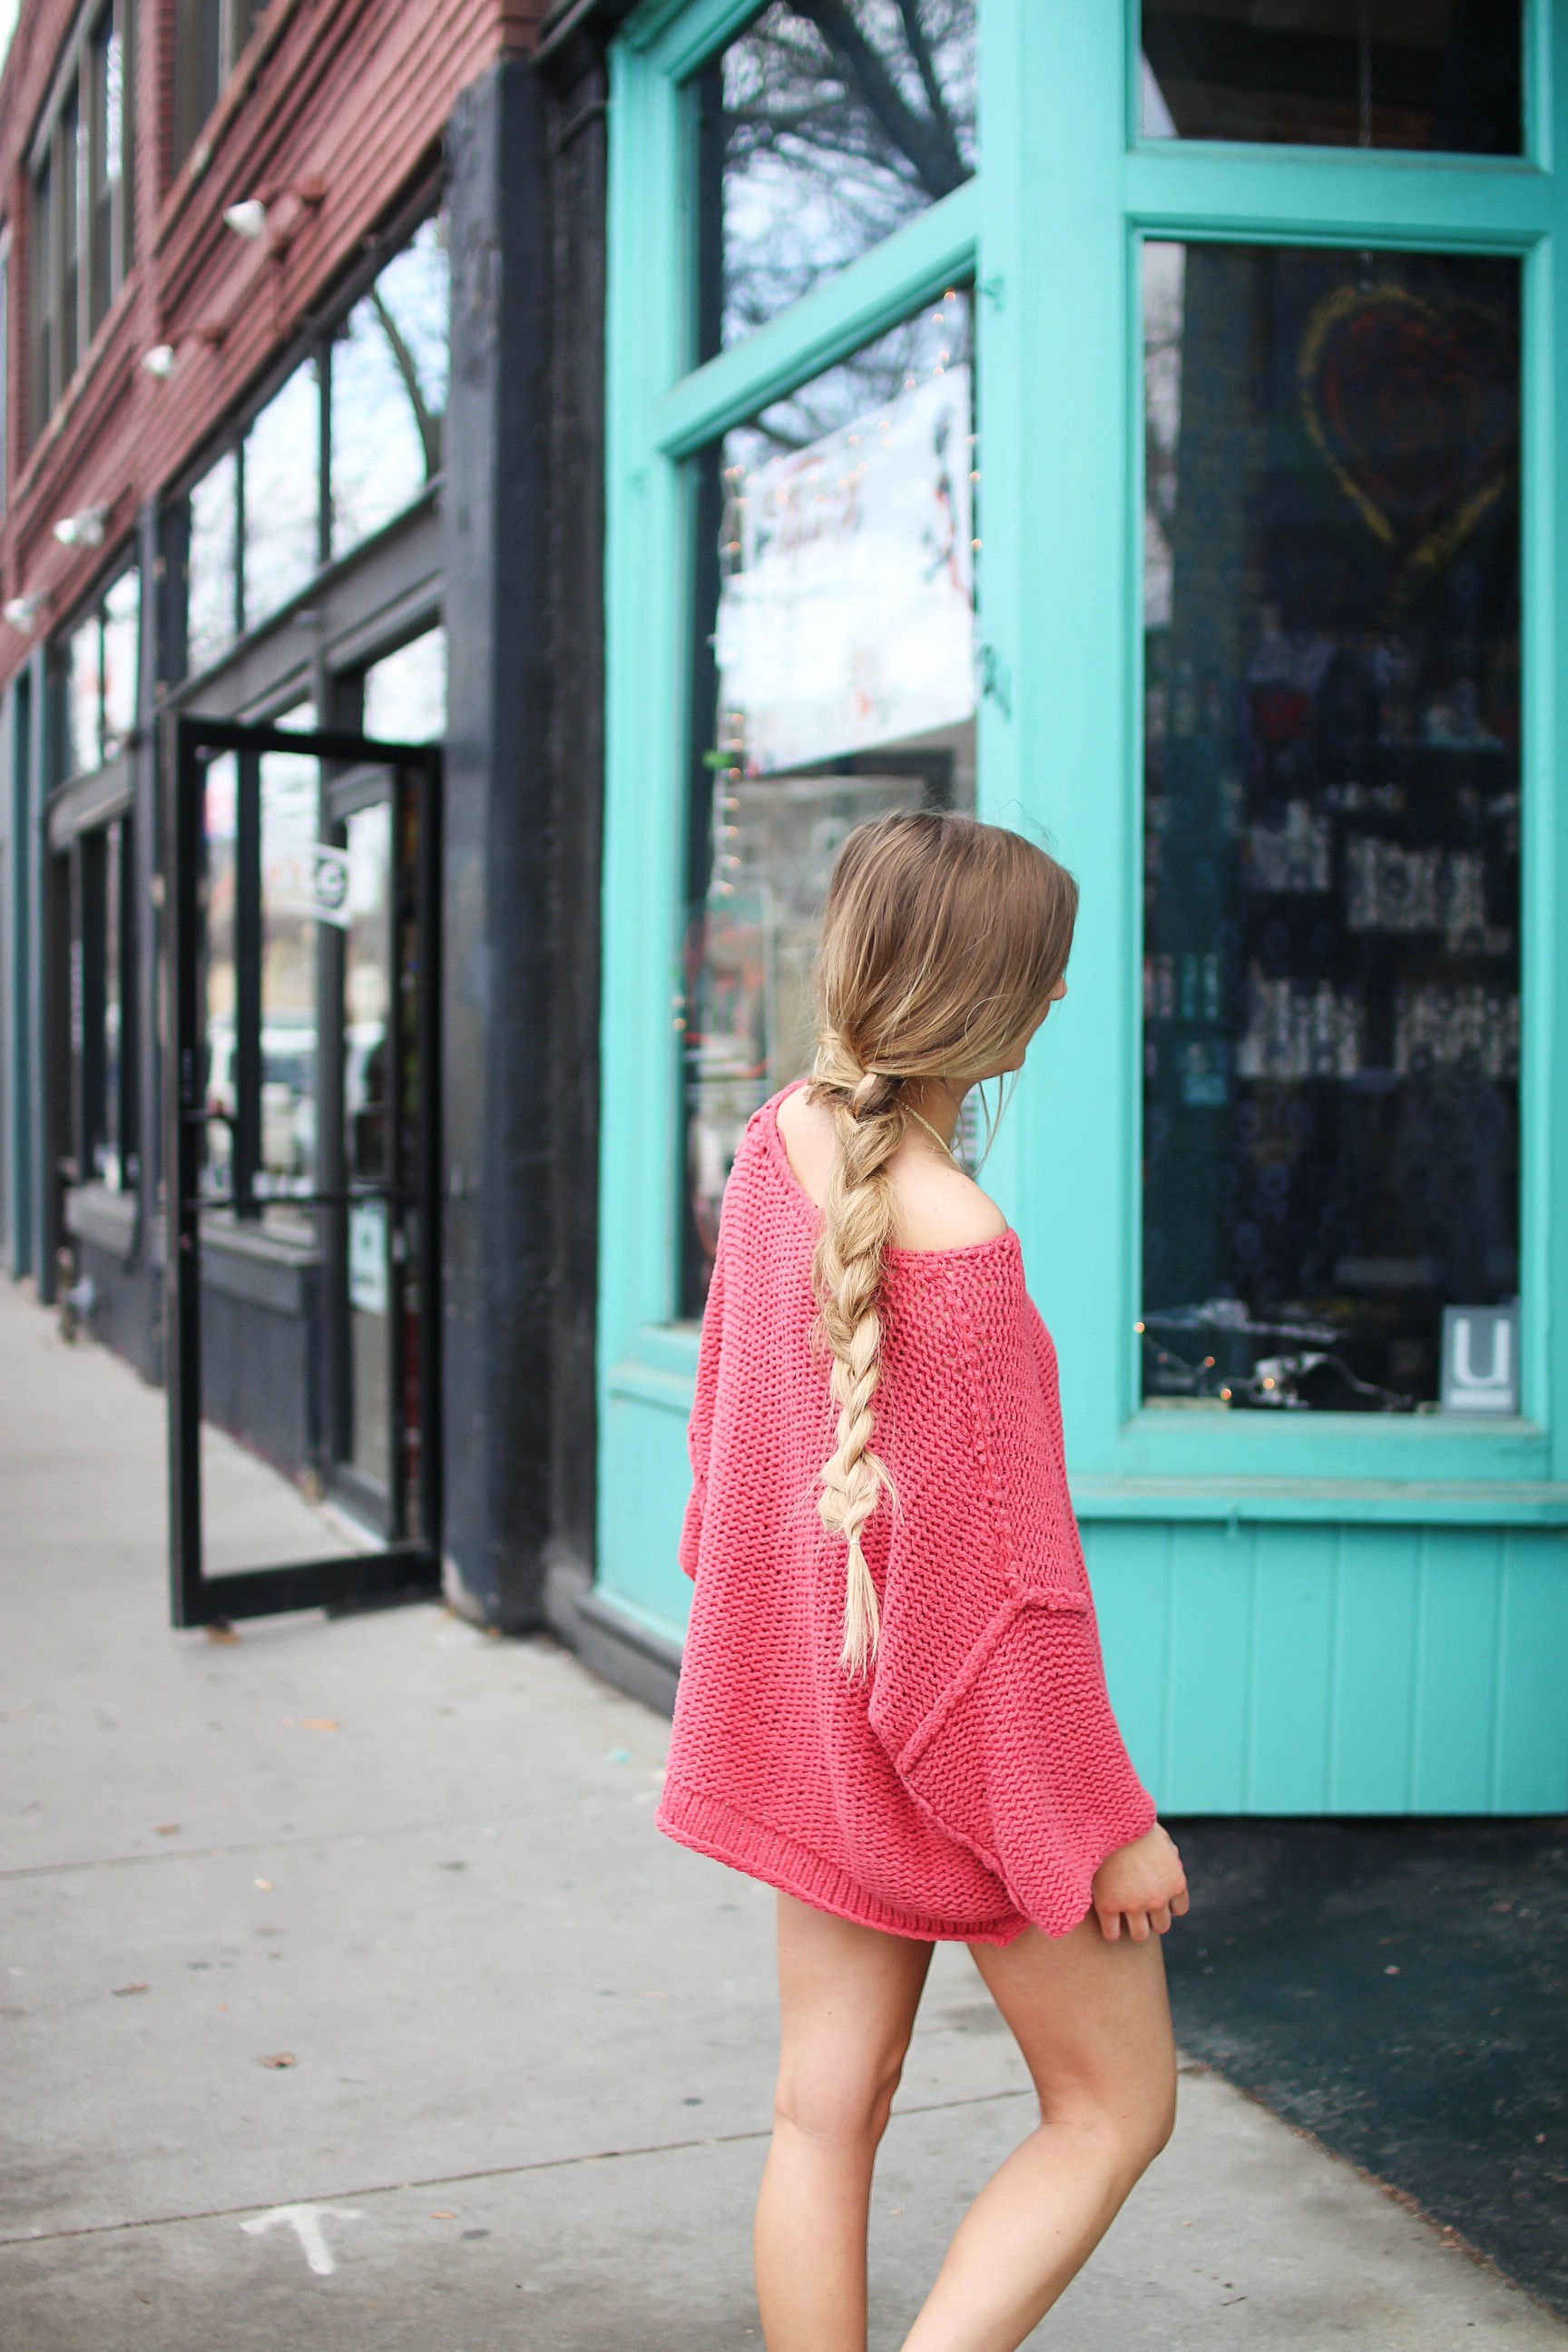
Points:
(301, 401)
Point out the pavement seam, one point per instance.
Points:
(484, 2172)
(281, 1844)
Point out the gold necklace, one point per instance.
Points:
(935, 1138)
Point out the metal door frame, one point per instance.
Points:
(399, 1570)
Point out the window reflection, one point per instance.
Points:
(835, 636)
(212, 618)
(405, 693)
(819, 130)
(101, 663)
(1331, 862)
(367, 1133)
(220, 816)
(389, 390)
(289, 828)
(1444, 75)
(282, 496)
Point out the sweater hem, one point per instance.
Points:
(709, 1825)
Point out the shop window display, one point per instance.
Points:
(101, 989)
(1332, 977)
(1440, 75)
(819, 131)
(838, 538)
(389, 364)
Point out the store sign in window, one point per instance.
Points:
(1331, 873)
(1443, 75)
(818, 131)
(835, 642)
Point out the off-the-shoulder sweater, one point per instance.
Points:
(976, 1779)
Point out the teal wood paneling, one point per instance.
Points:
(1530, 1763)
(1209, 1698)
(1292, 1696)
(1377, 1604)
(642, 1519)
(1130, 1568)
(1456, 1657)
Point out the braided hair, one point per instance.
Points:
(943, 939)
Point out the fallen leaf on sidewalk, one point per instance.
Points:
(443, 2216)
(281, 2058)
(264, 1884)
(166, 1828)
(222, 1633)
(137, 1985)
(319, 1723)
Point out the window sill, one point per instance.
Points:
(1379, 1502)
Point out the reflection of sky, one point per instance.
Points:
(83, 752)
(405, 695)
(385, 444)
(121, 651)
(282, 493)
(810, 176)
(210, 595)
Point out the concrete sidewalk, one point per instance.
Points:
(530, 2042)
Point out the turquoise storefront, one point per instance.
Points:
(1141, 425)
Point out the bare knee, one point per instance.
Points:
(1131, 2132)
(845, 2100)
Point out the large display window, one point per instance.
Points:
(1257, 313)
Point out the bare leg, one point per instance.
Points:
(847, 1997)
(1093, 2022)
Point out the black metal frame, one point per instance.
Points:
(404, 1568)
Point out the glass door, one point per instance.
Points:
(301, 1374)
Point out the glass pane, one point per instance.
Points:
(83, 750)
(121, 652)
(220, 814)
(389, 390)
(367, 1135)
(106, 1156)
(73, 193)
(835, 679)
(210, 622)
(405, 695)
(1332, 602)
(290, 830)
(282, 496)
(1443, 75)
(818, 131)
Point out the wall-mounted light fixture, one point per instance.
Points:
(23, 611)
(160, 360)
(83, 530)
(247, 219)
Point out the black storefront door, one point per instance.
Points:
(301, 1324)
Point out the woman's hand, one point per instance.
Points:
(1143, 1884)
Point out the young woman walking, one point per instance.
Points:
(892, 1709)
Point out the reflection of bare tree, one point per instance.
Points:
(840, 119)
(426, 420)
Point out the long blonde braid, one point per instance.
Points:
(846, 1274)
(943, 941)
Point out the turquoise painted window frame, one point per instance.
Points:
(1050, 231)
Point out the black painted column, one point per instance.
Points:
(495, 993)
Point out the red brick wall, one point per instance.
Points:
(334, 110)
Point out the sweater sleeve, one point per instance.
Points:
(699, 1427)
(989, 1693)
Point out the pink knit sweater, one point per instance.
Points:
(977, 1780)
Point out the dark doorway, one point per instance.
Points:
(302, 1270)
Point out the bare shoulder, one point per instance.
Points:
(938, 1207)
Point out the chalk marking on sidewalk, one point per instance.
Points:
(487, 2172)
(306, 2220)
